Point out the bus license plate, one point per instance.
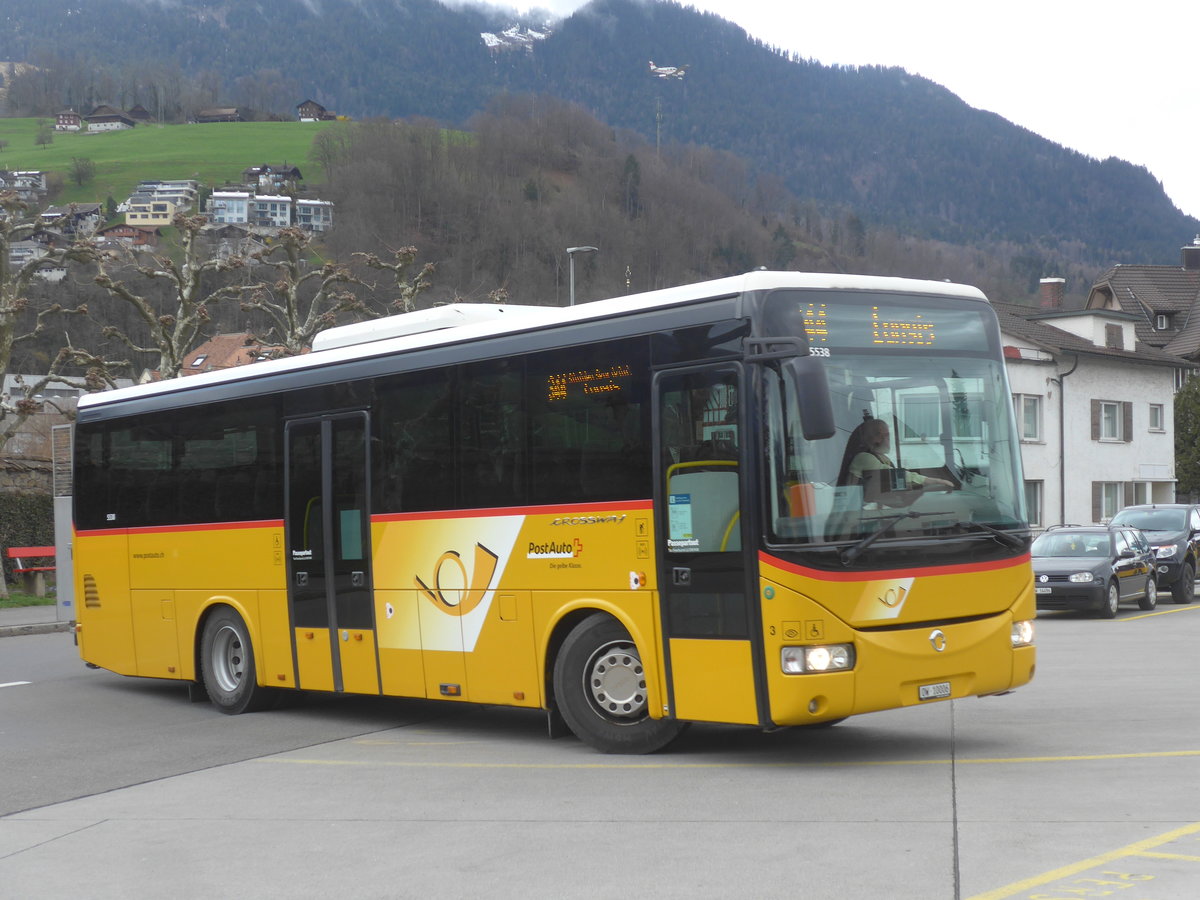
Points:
(1042, 590)
(939, 691)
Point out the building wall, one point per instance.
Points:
(1147, 459)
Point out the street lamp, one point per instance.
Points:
(571, 251)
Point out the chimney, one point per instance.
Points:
(1191, 255)
(1052, 290)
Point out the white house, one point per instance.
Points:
(314, 215)
(1094, 410)
(271, 211)
(230, 207)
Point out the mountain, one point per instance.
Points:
(896, 149)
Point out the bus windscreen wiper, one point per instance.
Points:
(850, 554)
(1012, 541)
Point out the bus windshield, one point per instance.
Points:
(924, 448)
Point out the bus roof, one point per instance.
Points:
(461, 322)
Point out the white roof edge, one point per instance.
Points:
(505, 319)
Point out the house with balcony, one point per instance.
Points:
(181, 192)
(314, 215)
(68, 120)
(150, 213)
(270, 179)
(230, 207)
(131, 236)
(271, 211)
(1094, 409)
(29, 186)
(76, 220)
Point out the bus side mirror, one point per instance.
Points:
(807, 375)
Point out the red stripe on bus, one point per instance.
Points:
(961, 569)
(169, 529)
(556, 509)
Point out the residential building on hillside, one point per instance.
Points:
(271, 179)
(312, 111)
(219, 114)
(241, 241)
(150, 213)
(182, 192)
(1094, 408)
(229, 207)
(105, 118)
(133, 236)
(29, 186)
(21, 252)
(68, 120)
(1165, 301)
(75, 220)
(314, 215)
(271, 210)
(268, 210)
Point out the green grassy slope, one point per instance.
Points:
(211, 154)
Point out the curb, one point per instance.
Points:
(40, 628)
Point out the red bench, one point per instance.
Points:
(33, 577)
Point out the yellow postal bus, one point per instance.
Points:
(634, 513)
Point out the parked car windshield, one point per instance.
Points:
(1059, 544)
(1152, 519)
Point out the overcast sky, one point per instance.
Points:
(1103, 79)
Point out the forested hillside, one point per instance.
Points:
(493, 209)
(891, 148)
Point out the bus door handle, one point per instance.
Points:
(681, 576)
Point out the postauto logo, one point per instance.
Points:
(555, 549)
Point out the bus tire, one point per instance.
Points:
(227, 665)
(600, 688)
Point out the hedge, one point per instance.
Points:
(26, 520)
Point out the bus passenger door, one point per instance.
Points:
(702, 565)
(329, 554)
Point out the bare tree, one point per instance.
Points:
(174, 328)
(304, 299)
(16, 224)
(407, 288)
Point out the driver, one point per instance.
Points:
(866, 456)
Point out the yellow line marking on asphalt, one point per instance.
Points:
(1159, 612)
(716, 765)
(1141, 848)
(1185, 857)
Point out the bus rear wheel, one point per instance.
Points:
(600, 688)
(227, 665)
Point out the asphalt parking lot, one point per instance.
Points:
(1086, 783)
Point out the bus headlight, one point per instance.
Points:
(825, 658)
(1022, 633)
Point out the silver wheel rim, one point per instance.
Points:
(1151, 592)
(1114, 598)
(228, 658)
(615, 682)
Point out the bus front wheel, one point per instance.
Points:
(227, 665)
(600, 688)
